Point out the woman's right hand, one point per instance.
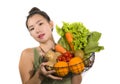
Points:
(46, 73)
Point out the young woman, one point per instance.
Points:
(32, 69)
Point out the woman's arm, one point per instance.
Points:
(77, 79)
(26, 67)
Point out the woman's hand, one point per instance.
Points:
(46, 73)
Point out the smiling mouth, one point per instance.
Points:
(41, 36)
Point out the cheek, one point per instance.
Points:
(47, 29)
(32, 34)
(49, 32)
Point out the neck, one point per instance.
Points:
(48, 45)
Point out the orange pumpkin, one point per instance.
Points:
(76, 65)
(61, 68)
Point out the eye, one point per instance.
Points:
(30, 29)
(40, 23)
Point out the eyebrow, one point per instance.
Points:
(38, 21)
(30, 26)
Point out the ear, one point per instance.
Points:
(51, 25)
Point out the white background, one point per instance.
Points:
(97, 15)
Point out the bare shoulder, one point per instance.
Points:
(26, 63)
(27, 55)
(28, 52)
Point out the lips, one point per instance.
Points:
(41, 36)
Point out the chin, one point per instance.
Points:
(43, 41)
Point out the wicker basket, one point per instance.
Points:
(88, 63)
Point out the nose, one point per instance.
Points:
(37, 29)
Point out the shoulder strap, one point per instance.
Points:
(37, 59)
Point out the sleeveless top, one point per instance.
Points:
(38, 61)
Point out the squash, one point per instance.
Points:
(61, 68)
(76, 65)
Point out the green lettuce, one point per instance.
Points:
(79, 31)
(82, 37)
(93, 44)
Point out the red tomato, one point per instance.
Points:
(71, 55)
(59, 58)
(68, 59)
(66, 54)
(63, 58)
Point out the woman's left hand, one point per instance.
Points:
(48, 73)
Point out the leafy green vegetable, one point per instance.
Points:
(93, 45)
(79, 31)
(60, 31)
(62, 41)
(82, 37)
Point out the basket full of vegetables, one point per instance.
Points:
(75, 50)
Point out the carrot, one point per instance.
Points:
(71, 46)
(69, 39)
(59, 48)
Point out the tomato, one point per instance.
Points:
(59, 58)
(66, 54)
(68, 59)
(71, 55)
(63, 58)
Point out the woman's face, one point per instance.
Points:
(39, 28)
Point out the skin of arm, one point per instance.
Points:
(26, 68)
(77, 79)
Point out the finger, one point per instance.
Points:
(55, 77)
(42, 66)
(47, 73)
(51, 71)
(44, 63)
